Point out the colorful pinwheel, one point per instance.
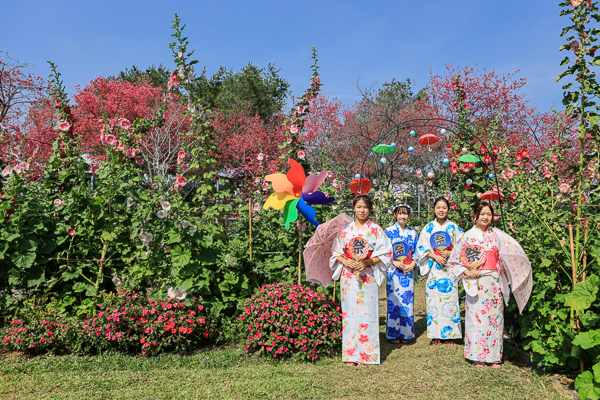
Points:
(295, 193)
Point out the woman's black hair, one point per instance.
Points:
(479, 207)
(402, 208)
(364, 198)
(441, 199)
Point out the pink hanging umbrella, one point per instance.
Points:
(319, 250)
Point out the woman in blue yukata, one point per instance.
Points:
(443, 313)
(401, 278)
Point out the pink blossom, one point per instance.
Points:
(548, 174)
(294, 129)
(64, 125)
(564, 188)
(120, 146)
(260, 157)
(110, 139)
(139, 160)
(7, 171)
(103, 138)
(256, 207)
(479, 195)
(419, 173)
(335, 183)
(23, 165)
(430, 183)
(301, 154)
(576, 3)
(181, 180)
(289, 140)
(180, 156)
(508, 173)
(16, 169)
(94, 168)
(329, 174)
(136, 151)
(71, 231)
(124, 123)
(129, 153)
(512, 227)
(464, 150)
(59, 203)
(173, 81)
(575, 46)
(590, 172)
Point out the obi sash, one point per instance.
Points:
(491, 261)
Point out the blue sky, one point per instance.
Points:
(370, 41)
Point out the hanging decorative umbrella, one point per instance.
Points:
(294, 192)
(468, 158)
(384, 149)
(517, 267)
(360, 186)
(428, 139)
(491, 195)
(319, 250)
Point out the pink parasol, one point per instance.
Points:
(319, 250)
(517, 267)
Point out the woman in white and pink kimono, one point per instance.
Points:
(475, 259)
(360, 258)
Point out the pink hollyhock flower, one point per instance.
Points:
(173, 81)
(289, 140)
(576, 3)
(496, 217)
(103, 138)
(301, 154)
(575, 46)
(23, 165)
(564, 188)
(590, 172)
(94, 168)
(430, 183)
(136, 151)
(294, 129)
(260, 157)
(329, 174)
(124, 123)
(71, 231)
(110, 140)
(7, 171)
(508, 174)
(256, 207)
(180, 155)
(129, 153)
(59, 203)
(181, 180)
(139, 160)
(120, 146)
(16, 169)
(464, 150)
(419, 173)
(335, 184)
(64, 126)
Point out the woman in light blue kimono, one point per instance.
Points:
(443, 313)
(401, 279)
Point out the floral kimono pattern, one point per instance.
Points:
(443, 313)
(484, 317)
(360, 294)
(401, 288)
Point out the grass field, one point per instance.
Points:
(419, 371)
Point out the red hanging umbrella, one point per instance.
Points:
(428, 139)
(491, 195)
(360, 186)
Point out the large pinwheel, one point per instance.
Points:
(295, 193)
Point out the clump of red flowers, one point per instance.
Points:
(285, 319)
(126, 323)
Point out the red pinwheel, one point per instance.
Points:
(294, 192)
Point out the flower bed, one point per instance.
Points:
(285, 319)
(127, 323)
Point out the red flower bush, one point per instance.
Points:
(285, 319)
(127, 323)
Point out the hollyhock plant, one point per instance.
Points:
(284, 320)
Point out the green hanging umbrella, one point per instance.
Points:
(469, 158)
(383, 149)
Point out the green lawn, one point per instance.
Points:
(410, 372)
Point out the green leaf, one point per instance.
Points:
(596, 370)
(48, 247)
(109, 236)
(587, 340)
(24, 261)
(586, 387)
(583, 294)
(589, 319)
(181, 257)
(35, 276)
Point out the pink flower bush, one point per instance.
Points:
(285, 319)
(130, 323)
(64, 126)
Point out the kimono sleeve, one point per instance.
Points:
(383, 250)
(424, 248)
(338, 249)
(456, 269)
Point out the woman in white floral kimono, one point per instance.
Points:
(401, 279)
(360, 258)
(475, 257)
(443, 313)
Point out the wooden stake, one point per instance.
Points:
(575, 316)
(250, 214)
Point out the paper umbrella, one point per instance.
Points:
(294, 192)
